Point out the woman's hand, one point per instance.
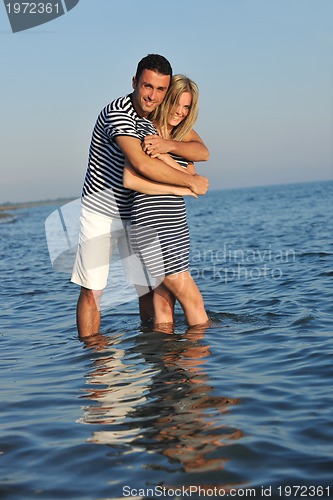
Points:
(153, 145)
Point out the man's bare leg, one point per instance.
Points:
(88, 316)
(185, 290)
(146, 306)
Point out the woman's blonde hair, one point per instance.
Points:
(179, 85)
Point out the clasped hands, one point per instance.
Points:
(157, 147)
(153, 145)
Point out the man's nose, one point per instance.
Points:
(152, 94)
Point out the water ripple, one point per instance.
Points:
(244, 402)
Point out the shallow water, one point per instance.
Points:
(245, 404)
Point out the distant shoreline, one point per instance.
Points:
(7, 208)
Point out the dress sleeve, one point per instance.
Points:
(145, 127)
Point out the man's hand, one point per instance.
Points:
(154, 145)
(199, 184)
(191, 147)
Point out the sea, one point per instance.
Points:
(240, 408)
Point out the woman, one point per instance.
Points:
(160, 234)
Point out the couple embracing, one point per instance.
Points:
(141, 165)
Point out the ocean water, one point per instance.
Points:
(242, 408)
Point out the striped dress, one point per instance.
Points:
(159, 230)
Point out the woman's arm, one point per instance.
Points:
(191, 169)
(136, 182)
(192, 147)
(171, 162)
(157, 170)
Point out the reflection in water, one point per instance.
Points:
(117, 388)
(151, 392)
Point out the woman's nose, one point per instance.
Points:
(179, 110)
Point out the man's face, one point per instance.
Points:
(149, 91)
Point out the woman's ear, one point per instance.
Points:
(133, 82)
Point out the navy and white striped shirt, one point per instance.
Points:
(103, 190)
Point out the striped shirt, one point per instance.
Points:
(103, 190)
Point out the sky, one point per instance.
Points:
(264, 70)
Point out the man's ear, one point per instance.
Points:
(133, 82)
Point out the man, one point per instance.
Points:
(106, 204)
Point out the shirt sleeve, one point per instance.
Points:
(118, 122)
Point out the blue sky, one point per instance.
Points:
(264, 69)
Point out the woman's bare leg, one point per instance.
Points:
(184, 289)
(164, 305)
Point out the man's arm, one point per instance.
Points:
(133, 180)
(192, 147)
(157, 170)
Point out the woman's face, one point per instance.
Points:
(180, 110)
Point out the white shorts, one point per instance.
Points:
(100, 237)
